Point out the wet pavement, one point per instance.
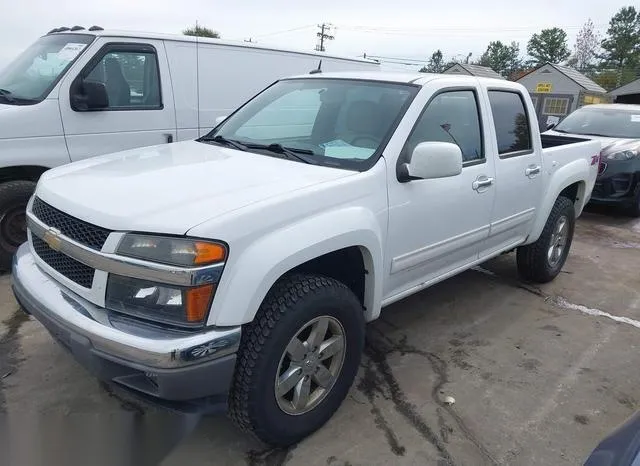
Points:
(538, 374)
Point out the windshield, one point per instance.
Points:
(333, 122)
(31, 76)
(608, 122)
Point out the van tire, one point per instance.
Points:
(292, 303)
(14, 197)
(534, 261)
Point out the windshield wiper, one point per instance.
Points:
(289, 152)
(596, 134)
(227, 142)
(7, 95)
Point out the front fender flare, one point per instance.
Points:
(248, 277)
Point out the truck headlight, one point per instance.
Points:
(184, 252)
(622, 155)
(158, 302)
(183, 306)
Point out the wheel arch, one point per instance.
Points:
(22, 173)
(345, 245)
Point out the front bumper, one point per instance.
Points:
(617, 184)
(161, 363)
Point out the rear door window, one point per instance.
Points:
(511, 121)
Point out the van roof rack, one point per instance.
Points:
(77, 28)
(96, 28)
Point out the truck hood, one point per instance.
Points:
(173, 187)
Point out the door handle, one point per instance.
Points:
(532, 170)
(169, 138)
(482, 182)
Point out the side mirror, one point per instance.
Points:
(220, 119)
(551, 126)
(432, 160)
(90, 95)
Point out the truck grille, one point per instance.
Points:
(78, 230)
(65, 265)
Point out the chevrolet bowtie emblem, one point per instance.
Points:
(52, 238)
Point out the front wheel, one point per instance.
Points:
(297, 359)
(542, 261)
(14, 197)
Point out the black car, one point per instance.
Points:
(617, 126)
(620, 448)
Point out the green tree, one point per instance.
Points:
(436, 63)
(501, 58)
(201, 31)
(622, 44)
(550, 45)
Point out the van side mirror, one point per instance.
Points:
(220, 119)
(432, 160)
(551, 126)
(90, 95)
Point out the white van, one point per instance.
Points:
(80, 93)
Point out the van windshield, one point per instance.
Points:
(323, 121)
(32, 75)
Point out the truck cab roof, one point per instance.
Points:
(416, 78)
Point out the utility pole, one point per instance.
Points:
(323, 35)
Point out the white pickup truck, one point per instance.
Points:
(241, 268)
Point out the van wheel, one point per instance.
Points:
(14, 197)
(297, 359)
(542, 261)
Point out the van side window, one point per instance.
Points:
(510, 118)
(131, 79)
(451, 117)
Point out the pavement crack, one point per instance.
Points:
(369, 385)
(377, 353)
(440, 368)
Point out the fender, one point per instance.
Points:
(247, 278)
(573, 172)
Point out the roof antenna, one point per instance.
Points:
(318, 69)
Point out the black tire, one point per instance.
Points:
(293, 301)
(14, 197)
(533, 262)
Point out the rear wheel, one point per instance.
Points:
(14, 197)
(542, 261)
(297, 359)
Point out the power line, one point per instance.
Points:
(323, 35)
(285, 31)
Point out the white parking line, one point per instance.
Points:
(560, 301)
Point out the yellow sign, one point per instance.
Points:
(543, 88)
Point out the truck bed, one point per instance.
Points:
(552, 140)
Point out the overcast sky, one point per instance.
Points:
(399, 28)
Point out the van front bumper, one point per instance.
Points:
(163, 364)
